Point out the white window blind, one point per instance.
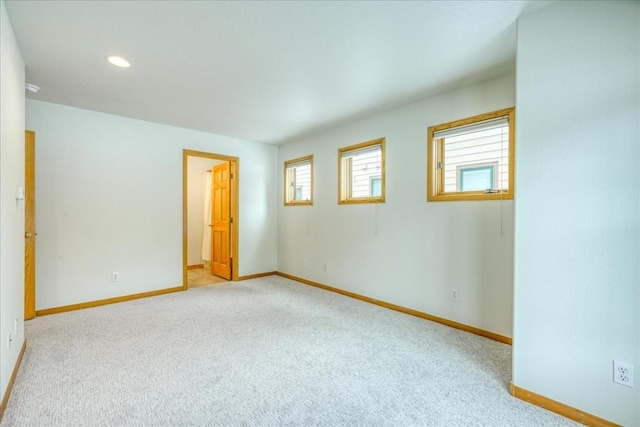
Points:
(472, 128)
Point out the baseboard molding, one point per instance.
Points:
(451, 323)
(98, 303)
(255, 276)
(195, 266)
(559, 408)
(12, 380)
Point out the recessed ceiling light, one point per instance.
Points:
(118, 61)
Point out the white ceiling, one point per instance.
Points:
(263, 71)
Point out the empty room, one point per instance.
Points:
(336, 213)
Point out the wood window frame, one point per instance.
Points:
(435, 152)
(288, 200)
(344, 174)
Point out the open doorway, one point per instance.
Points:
(210, 218)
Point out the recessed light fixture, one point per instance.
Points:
(118, 61)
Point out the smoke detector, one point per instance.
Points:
(31, 88)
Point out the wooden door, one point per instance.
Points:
(30, 226)
(221, 222)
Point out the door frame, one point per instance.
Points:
(30, 225)
(234, 164)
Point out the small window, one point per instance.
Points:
(476, 177)
(473, 158)
(298, 181)
(361, 172)
(375, 186)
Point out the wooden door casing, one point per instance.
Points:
(30, 226)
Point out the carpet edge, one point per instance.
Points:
(467, 328)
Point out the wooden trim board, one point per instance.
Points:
(195, 266)
(234, 164)
(447, 322)
(12, 380)
(98, 303)
(30, 225)
(255, 276)
(559, 408)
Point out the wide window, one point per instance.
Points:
(298, 181)
(361, 172)
(472, 158)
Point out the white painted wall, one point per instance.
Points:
(196, 168)
(577, 246)
(405, 251)
(109, 198)
(11, 210)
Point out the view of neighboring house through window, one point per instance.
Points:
(361, 172)
(298, 181)
(472, 159)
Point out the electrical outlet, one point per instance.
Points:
(623, 373)
(304, 260)
(115, 276)
(454, 294)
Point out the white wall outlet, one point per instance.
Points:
(623, 373)
(454, 294)
(304, 260)
(9, 341)
(115, 276)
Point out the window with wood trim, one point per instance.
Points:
(298, 181)
(361, 175)
(472, 158)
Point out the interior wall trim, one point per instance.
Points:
(12, 380)
(97, 303)
(559, 408)
(255, 276)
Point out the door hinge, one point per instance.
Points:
(231, 175)
(439, 165)
(232, 220)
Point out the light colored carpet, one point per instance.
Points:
(264, 352)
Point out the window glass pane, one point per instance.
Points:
(375, 187)
(302, 182)
(466, 151)
(476, 179)
(365, 164)
(299, 181)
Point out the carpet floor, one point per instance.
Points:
(263, 352)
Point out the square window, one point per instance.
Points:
(298, 181)
(361, 171)
(476, 177)
(473, 158)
